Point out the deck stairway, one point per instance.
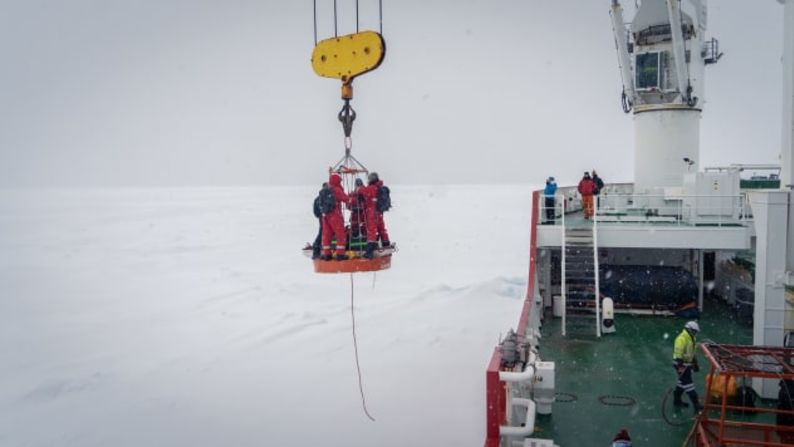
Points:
(580, 281)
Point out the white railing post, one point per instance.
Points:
(680, 211)
(563, 292)
(596, 272)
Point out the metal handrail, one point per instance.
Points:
(683, 208)
(595, 270)
(563, 292)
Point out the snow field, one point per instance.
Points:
(188, 317)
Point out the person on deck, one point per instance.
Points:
(317, 245)
(548, 194)
(684, 362)
(587, 189)
(334, 223)
(376, 228)
(785, 402)
(599, 185)
(622, 439)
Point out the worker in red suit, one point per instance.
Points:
(333, 222)
(587, 188)
(373, 213)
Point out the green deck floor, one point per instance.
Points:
(634, 362)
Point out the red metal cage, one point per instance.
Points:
(725, 424)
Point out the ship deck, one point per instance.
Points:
(634, 362)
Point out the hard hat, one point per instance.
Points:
(692, 326)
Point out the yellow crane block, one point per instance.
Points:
(346, 57)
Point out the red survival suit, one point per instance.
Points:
(333, 222)
(374, 218)
(587, 188)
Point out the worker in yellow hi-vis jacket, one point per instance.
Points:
(684, 362)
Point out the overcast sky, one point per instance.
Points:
(200, 92)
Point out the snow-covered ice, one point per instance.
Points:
(189, 317)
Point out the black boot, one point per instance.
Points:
(370, 253)
(385, 244)
(325, 257)
(693, 397)
(342, 257)
(677, 402)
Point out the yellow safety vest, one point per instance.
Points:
(684, 347)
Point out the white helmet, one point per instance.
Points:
(692, 326)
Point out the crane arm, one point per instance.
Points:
(624, 61)
(679, 52)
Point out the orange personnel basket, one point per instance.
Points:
(350, 169)
(353, 265)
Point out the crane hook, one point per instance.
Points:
(346, 116)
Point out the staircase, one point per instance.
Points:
(580, 279)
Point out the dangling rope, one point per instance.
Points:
(355, 348)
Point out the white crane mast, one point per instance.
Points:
(662, 56)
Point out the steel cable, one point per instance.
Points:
(315, 22)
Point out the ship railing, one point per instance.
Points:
(709, 210)
(497, 398)
(676, 209)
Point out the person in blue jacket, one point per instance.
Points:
(548, 194)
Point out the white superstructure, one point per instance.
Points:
(662, 55)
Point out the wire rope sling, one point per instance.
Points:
(352, 236)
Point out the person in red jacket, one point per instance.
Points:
(334, 223)
(587, 188)
(373, 218)
(380, 224)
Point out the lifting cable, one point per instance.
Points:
(336, 21)
(315, 23)
(355, 348)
